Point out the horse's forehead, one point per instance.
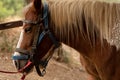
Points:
(30, 15)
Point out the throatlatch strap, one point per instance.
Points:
(46, 30)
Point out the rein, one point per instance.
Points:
(19, 71)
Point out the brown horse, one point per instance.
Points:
(89, 26)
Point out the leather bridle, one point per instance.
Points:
(29, 55)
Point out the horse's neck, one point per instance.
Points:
(75, 41)
(69, 30)
(84, 46)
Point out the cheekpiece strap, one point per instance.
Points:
(45, 15)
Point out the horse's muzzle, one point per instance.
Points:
(22, 63)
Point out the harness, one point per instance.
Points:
(29, 55)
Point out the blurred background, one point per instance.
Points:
(11, 7)
(10, 10)
(66, 66)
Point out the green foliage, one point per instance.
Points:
(10, 7)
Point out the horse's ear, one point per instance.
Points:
(37, 4)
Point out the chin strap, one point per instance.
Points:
(39, 72)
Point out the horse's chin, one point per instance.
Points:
(27, 71)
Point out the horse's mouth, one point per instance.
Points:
(24, 67)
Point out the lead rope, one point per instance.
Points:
(19, 71)
(22, 78)
(8, 72)
(25, 67)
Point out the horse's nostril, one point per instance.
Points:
(17, 64)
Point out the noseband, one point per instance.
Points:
(29, 55)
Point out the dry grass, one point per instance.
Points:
(8, 40)
(9, 37)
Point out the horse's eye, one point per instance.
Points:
(28, 30)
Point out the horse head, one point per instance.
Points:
(35, 40)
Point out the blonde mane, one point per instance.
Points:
(99, 16)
